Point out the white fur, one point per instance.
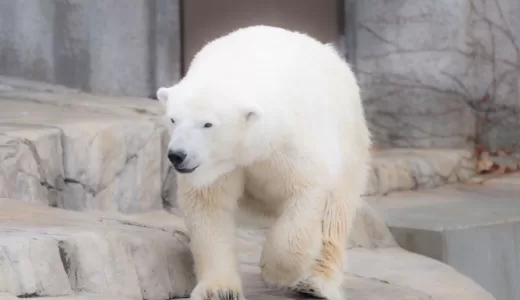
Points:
(289, 143)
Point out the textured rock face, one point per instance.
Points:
(108, 165)
(427, 276)
(31, 266)
(471, 227)
(52, 252)
(32, 163)
(494, 44)
(60, 42)
(443, 73)
(120, 160)
(83, 157)
(406, 169)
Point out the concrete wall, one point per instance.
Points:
(440, 73)
(118, 47)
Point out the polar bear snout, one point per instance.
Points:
(177, 157)
(179, 160)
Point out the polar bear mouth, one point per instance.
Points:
(185, 170)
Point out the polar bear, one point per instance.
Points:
(268, 122)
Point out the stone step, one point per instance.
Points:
(79, 296)
(472, 227)
(410, 169)
(47, 251)
(51, 253)
(79, 151)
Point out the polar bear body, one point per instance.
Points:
(268, 123)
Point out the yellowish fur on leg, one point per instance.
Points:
(294, 240)
(327, 272)
(209, 215)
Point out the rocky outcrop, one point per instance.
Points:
(104, 156)
(438, 74)
(471, 227)
(52, 252)
(409, 169)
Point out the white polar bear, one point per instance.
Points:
(269, 122)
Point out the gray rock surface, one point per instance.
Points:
(31, 266)
(91, 45)
(406, 169)
(55, 253)
(47, 251)
(355, 287)
(440, 74)
(434, 74)
(472, 227)
(105, 155)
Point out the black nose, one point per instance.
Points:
(176, 157)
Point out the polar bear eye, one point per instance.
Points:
(208, 125)
(172, 120)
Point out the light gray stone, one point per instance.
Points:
(407, 57)
(99, 264)
(31, 266)
(165, 272)
(109, 160)
(32, 167)
(354, 287)
(9, 84)
(384, 273)
(406, 169)
(410, 271)
(60, 42)
(439, 74)
(111, 255)
(493, 45)
(373, 289)
(105, 153)
(84, 296)
(49, 252)
(470, 227)
(6, 296)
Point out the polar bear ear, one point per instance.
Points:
(162, 95)
(252, 114)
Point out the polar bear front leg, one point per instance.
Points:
(327, 272)
(209, 216)
(295, 239)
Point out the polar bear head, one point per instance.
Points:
(209, 126)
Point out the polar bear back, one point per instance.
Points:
(292, 78)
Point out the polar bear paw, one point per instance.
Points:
(319, 288)
(216, 291)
